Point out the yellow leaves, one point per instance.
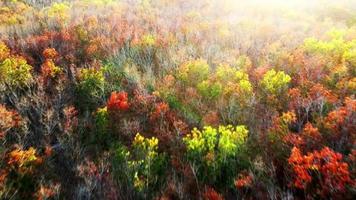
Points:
(148, 40)
(59, 11)
(139, 139)
(91, 80)
(4, 51)
(147, 145)
(15, 71)
(275, 82)
(288, 117)
(23, 160)
(226, 140)
(193, 72)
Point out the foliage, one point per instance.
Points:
(79, 78)
(15, 72)
(144, 164)
(214, 151)
(275, 83)
(90, 87)
(324, 166)
(193, 72)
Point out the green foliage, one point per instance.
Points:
(15, 72)
(337, 47)
(90, 88)
(101, 134)
(217, 153)
(143, 165)
(193, 72)
(210, 90)
(275, 83)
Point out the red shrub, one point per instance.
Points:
(160, 110)
(243, 181)
(211, 194)
(325, 167)
(118, 101)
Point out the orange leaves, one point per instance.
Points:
(50, 53)
(160, 110)
(310, 131)
(8, 119)
(319, 92)
(23, 160)
(4, 51)
(300, 168)
(341, 119)
(211, 194)
(118, 101)
(48, 68)
(333, 175)
(243, 181)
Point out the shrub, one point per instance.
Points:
(193, 72)
(15, 72)
(143, 164)
(20, 173)
(118, 101)
(8, 120)
(4, 51)
(90, 88)
(275, 83)
(321, 171)
(214, 152)
(49, 69)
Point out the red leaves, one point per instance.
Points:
(342, 118)
(118, 101)
(300, 166)
(160, 110)
(333, 176)
(211, 194)
(243, 181)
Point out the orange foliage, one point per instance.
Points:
(211, 194)
(50, 53)
(8, 119)
(243, 181)
(334, 174)
(118, 101)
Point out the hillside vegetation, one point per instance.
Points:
(177, 99)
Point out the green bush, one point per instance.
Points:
(217, 154)
(15, 72)
(275, 83)
(143, 165)
(90, 88)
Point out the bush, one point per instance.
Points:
(217, 154)
(90, 88)
(275, 83)
(143, 165)
(193, 72)
(15, 72)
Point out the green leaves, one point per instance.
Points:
(217, 153)
(275, 82)
(193, 72)
(15, 72)
(90, 88)
(143, 164)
